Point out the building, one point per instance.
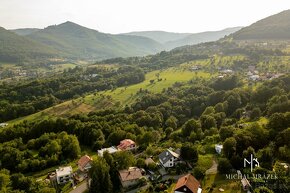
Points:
(187, 184)
(218, 148)
(63, 174)
(110, 150)
(3, 124)
(149, 161)
(254, 77)
(169, 158)
(245, 184)
(126, 144)
(84, 163)
(130, 177)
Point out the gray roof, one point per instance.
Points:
(165, 156)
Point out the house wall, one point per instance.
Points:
(128, 183)
(170, 163)
(63, 179)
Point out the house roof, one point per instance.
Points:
(189, 182)
(109, 149)
(133, 173)
(124, 144)
(167, 155)
(245, 182)
(63, 171)
(149, 161)
(84, 160)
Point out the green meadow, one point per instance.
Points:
(118, 97)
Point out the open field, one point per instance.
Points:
(118, 97)
(213, 182)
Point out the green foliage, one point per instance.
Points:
(199, 172)
(224, 166)
(229, 147)
(18, 49)
(28, 97)
(267, 28)
(77, 42)
(100, 177)
(189, 153)
(262, 189)
(50, 148)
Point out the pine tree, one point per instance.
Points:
(100, 177)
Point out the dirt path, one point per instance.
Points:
(213, 168)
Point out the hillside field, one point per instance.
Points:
(118, 97)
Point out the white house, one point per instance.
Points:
(218, 148)
(64, 174)
(110, 150)
(169, 158)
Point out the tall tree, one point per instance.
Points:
(100, 177)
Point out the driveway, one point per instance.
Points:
(213, 169)
(81, 188)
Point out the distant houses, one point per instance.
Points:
(64, 174)
(130, 177)
(187, 184)
(110, 150)
(127, 144)
(169, 158)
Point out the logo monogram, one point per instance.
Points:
(253, 162)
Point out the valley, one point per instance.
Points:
(145, 111)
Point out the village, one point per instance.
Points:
(158, 170)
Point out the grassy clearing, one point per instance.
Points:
(126, 95)
(205, 161)
(221, 61)
(213, 182)
(118, 97)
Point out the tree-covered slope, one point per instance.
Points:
(82, 43)
(275, 27)
(160, 36)
(18, 49)
(201, 37)
(172, 40)
(25, 31)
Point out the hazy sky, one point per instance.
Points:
(116, 16)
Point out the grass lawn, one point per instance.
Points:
(126, 95)
(213, 182)
(205, 161)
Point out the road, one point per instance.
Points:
(81, 188)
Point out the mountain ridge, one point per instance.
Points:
(274, 27)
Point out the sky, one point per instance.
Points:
(120, 16)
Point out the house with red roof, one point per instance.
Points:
(130, 177)
(84, 163)
(127, 144)
(187, 184)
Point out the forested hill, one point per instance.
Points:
(16, 49)
(275, 27)
(25, 31)
(201, 37)
(79, 42)
(172, 40)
